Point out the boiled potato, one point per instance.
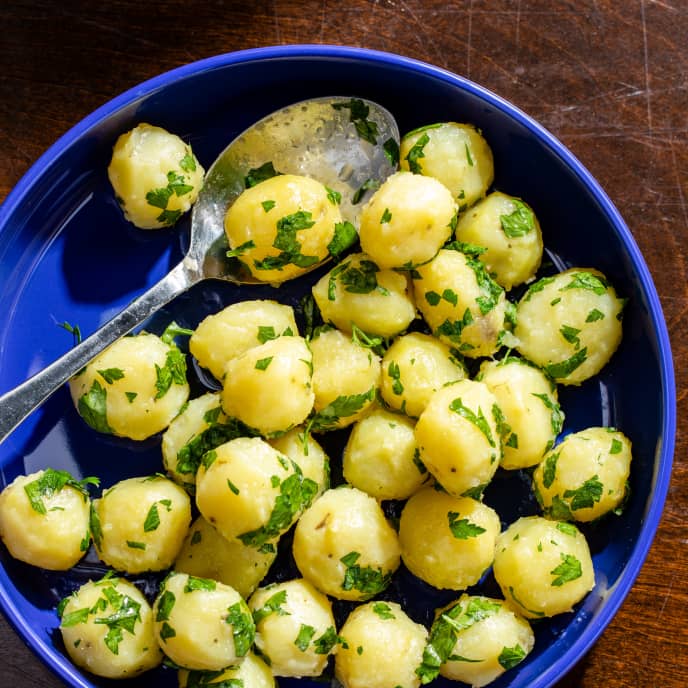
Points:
(44, 519)
(358, 292)
(207, 554)
(134, 388)
(202, 624)
(235, 329)
(107, 628)
(344, 545)
(584, 477)
(304, 450)
(415, 366)
(295, 628)
(447, 541)
(384, 646)
(381, 457)
(569, 324)
(509, 231)
(139, 524)
(478, 639)
(455, 154)
(282, 227)
(458, 437)
(155, 176)
(251, 672)
(528, 400)
(269, 386)
(407, 220)
(346, 377)
(543, 567)
(461, 303)
(248, 490)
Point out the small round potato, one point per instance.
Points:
(139, 524)
(447, 541)
(207, 554)
(461, 303)
(133, 389)
(251, 672)
(456, 154)
(584, 477)
(383, 648)
(543, 567)
(343, 371)
(235, 329)
(269, 386)
(414, 367)
(458, 437)
(489, 639)
(532, 415)
(155, 176)
(295, 628)
(248, 490)
(282, 227)
(381, 457)
(202, 624)
(344, 545)
(407, 220)
(358, 292)
(44, 519)
(569, 324)
(107, 628)
(509, 231)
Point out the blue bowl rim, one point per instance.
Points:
(60, 665)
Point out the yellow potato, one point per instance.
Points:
(584, 477)
(235, 329)
(94, 638)
(384, 646)
(155, 176)
(133, 389)
(455, 154)
(463, 306)
(252, 672)
(344, 545)
(358, 292)
(139, 524)
(44, 519)
(458, 437)
(509, 231)
(543, 567)
(407, 220)
(569, 324)
(281, 227)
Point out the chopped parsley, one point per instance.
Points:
(564, 368)
(260, 174)
(594, 315)
(395, 373)
(243, 628)
(518, 223)
(383, 610)
(194, 583)
(51, 482)
(159, 198)
(550, 469)
(557, 415)
(478, 419)
(416, 152)
(586, 280)
(452, 329)
(468, 155)
(617, 446)
(509, 657)
(359, 111)
(241, 249)
(367, 580)
(462, 528)
(110, 375)
(368, 185)
(268, 205)
(333, 196)
(345, 236)
(288, 244)
(263, 363)
(304, 637)
(342, 407)
(172, 373)
(391, 148)
(570, 334)
(92, 408)
(386, 217)
(273, 605)
(586, 496)
(569, 570)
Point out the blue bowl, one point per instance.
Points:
(67, 255)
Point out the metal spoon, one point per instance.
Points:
(328, 139)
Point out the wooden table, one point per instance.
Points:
(608, 77)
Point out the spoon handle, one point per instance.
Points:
(19, 402)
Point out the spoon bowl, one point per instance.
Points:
(344, 143)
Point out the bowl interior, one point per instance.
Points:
(67, 255)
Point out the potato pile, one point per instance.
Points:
(414, 356)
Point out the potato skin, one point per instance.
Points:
(142, 523)
(383, 648)
(447, 541)
(345, 533)
(269, 213)
(543, 567)
(585, 476)
(124, 390)
(86, 635)
(407, 220)
(55, 538)
(155, 176)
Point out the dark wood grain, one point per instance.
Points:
(609, 78)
